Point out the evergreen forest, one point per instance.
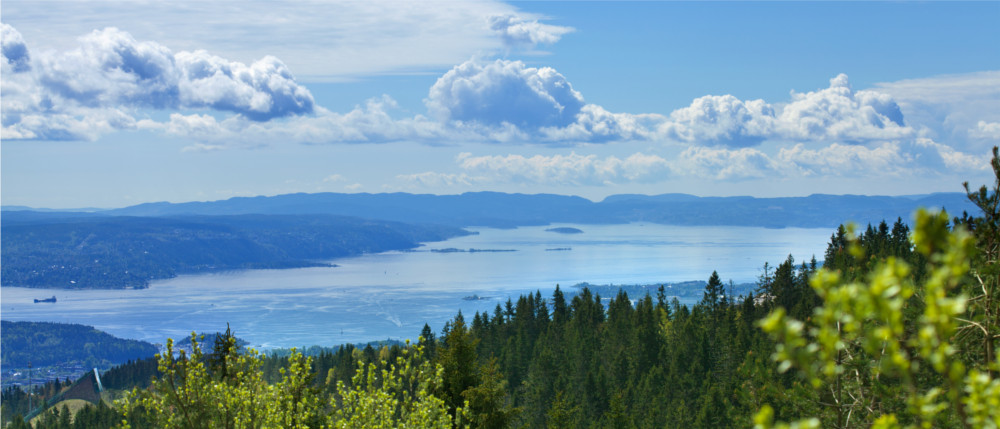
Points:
(898, 328)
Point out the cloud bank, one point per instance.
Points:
(571, 169)
(497, 101)
(833, 114)
(55, 96)
(919, 156)
(720, 164)
(110, 81)
(99, 86)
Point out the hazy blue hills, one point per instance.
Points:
(509, 210)
(469, 209)
(816, 210)
(130, 246)
(86, 251)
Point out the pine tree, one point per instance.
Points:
(457, 356)
(714, 291)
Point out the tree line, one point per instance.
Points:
(898, 328)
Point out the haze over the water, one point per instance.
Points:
(114, 103)
(392, 295)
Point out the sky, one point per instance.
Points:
(109, 103)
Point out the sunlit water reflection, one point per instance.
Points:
(392, 295)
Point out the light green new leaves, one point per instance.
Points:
(399, 396)
(188, 396)
(293, 402)
(861, 325)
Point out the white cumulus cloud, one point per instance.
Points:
(721, 120)
(508, 101)
(501, 91)
(595, 124)
(838, 113)
(14, 50)
(986, 130)
(95, 88)
(834, 114)
(517, 31)
(103, 83)
(260, 91)
(111, 68)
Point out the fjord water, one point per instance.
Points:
(391, 295)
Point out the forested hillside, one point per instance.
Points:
(87, 251)
(897, 329)
(585, 362)
(60, 350)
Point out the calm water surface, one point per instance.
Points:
(392, 295)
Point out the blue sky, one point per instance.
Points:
(107, 104)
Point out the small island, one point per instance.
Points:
(565, 230)
(474, 297)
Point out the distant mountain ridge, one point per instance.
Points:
(503, 210)
(469, 209)
(129, 247)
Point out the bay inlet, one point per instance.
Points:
(391, 295)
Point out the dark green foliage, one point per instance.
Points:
(134, 373)
(44, 343)
(642, 361)
(629, 364)
(89, 417)
(458, 358)
(876, 244)
(97, 416)
(224, 344)
(16, 401)
(788, 287)
(15, 405)
(488, 404)
(622, 362)
(714, 293)
(428, 341)
(17, 422)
